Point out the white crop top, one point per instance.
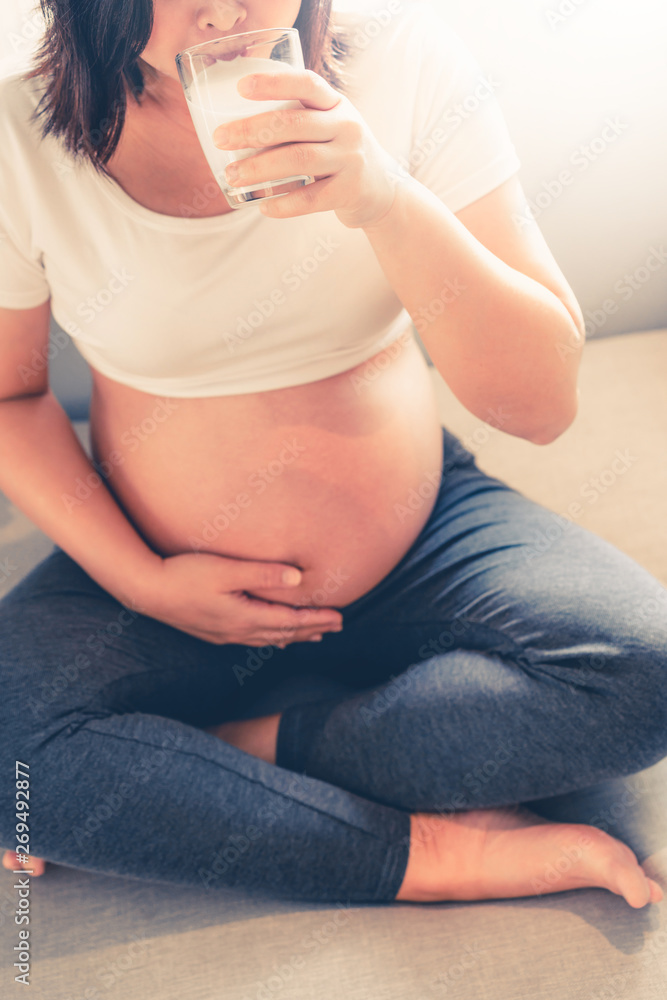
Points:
(240, 303)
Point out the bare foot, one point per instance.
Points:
(257, 737)
(509, 852)
(10, 861)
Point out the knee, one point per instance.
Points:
(637, 698)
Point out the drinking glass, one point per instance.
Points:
(209, 73)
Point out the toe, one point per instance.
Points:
(37, 866)
(656, 892)
(634, 886)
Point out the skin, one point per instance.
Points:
(359, 196)
(478, 854)
(178, 24)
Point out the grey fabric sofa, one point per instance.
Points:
(103, 938)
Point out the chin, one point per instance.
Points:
(153, 73)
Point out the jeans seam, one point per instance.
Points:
(255, 781)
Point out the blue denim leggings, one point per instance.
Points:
(510, 656)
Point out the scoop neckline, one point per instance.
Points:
(136, 211)
(174, 223)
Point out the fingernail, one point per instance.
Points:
(315, 638)
(291, 577)
(221, 136)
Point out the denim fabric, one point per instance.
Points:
(510, 656)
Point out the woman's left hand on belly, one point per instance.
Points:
(327, 139)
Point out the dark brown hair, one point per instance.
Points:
(89, 58)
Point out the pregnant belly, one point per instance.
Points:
(336, 476)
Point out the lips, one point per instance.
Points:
(233, 55)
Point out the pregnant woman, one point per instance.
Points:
(271, 495)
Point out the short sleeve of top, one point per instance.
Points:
(461, 146)
(23, 284)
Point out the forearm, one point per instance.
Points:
(507, 346)
(40, 461)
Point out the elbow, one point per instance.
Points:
(546, 433)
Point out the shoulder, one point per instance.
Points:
(18, 92)
(27, 160)
(19, 98)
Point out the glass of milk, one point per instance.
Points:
(209, 73)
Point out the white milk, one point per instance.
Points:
(213, 99)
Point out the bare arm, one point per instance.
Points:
(496, 314)
(40, 460)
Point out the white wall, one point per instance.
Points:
(564, 68)
(562, 78)
(21, 23)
